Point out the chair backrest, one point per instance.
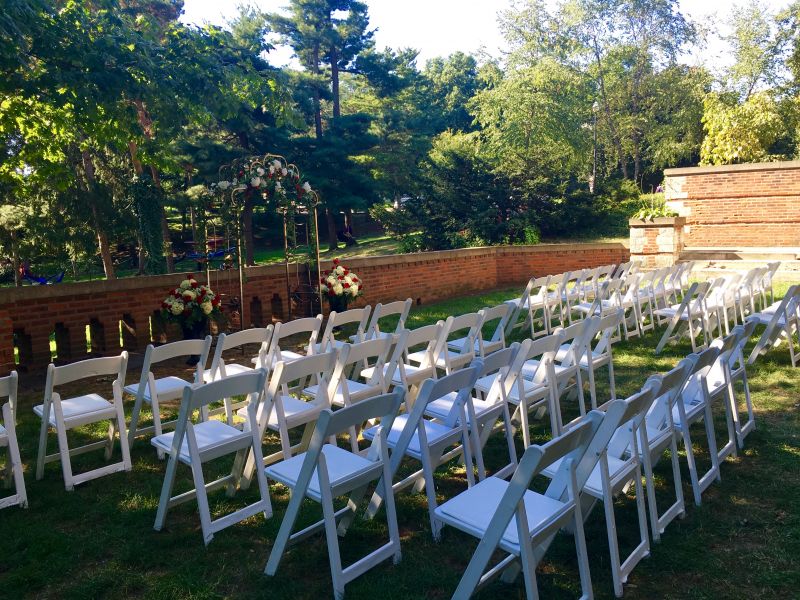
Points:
(462, 382)
(701, 364)
(468, 324)
(607, 327)
(242, 384)
(578, 336)
(400, 307)
(225, 342)
(637, 407)
(772, 268)
(8, 389)
(91, 367)
(372, 352)
(428, 335)
(337, 319)
(773, 329)
(544, 350)
(306, 325)
(499, 363)
(500, 313)
(670, 385)
(156, 354)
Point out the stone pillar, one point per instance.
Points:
(657, 243)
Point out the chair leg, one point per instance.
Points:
(613, 546)
(157, 422)
(430, 491)
(166, 493)
(123, 437)
(14, 461)
(202, 499)
(42, 449)
(63, 450)
(583, 556)
(687, 445)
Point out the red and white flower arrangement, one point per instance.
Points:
(191, 302)
(340, 282)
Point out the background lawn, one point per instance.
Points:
(98, 541)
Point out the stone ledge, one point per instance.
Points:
(716, 169)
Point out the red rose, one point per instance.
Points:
(346, 271)
(164, 305)
(346, 285)
(194, 284)
(336, 261)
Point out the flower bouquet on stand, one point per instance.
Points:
(340, 286)
(191, 305)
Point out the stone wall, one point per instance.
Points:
(752, 205)
(657, 243)
(125, 313)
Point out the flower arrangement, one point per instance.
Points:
(191, 303)
(269, 176)
(340, 285)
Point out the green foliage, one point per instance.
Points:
(652, 207)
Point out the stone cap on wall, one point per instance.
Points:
(716, 169)
(658, 222)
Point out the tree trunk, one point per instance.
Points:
(247, 230)
(348, 220)
(102, 237)
(335, 83)
(317, 107)
(333, 241)
(15, 259)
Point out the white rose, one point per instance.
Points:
(284, 172)
(188, 295)
(338, 289)
(224, 185)
(186, 284)
(255, 181)
(260, 171)
(340, 270)
(354, 290)
(234, 181)
(176, 308)
(277, 185)
(206, 308)
(348, 279)
(307, 187)
(276, 164)
(271, 169)
(323, 288)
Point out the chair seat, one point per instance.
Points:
(286, 356)
(562, 352)
(3, 434)
(342, 466)
(485, 383)
(594, 485)
(167, 388)
(357, 390)
(230, 369)
(414, 374)
(209, 435)
(80, 406)
(318, 349)
(530, 366)
(473, 509)
(531, 390)
(440, 408)
(436, 433)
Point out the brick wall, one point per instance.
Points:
(128, 308)
(754, 205)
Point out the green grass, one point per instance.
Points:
(98, 541)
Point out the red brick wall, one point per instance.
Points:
(33, 313)
(738, 205)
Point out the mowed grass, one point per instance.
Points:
(98, 541)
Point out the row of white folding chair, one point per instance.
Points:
(487, 509)
(8, 439)
(781, 320)
(450, 358)
(691, 317)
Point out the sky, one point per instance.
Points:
(441, 27)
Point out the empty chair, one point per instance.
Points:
(660, 435)
(501, 314)
(63, 414)
(690, 317)
(483, 411)
(468, 326)
(426, 440)
(400, 372)
(737, 371)
(521, 523)
(620, 467)
(780, 319)
(537, 389)
(154, 391)
(194, 444)
(8, 439)
(328, 341)
(307, 329)
(724, 301)
(325, 472)
(600, 354)
(766, 283)
(400, 308)
(532, 304)
(692, 406)
(222, 368)
(346, 386)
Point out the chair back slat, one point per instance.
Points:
(91, 367)
(242, 384)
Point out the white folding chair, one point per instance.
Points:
(530, 303)
(536, 391)
(308, 328)
(220, 368)
(8, 439)
(285, 407)
(620, 467)
(766, 284)
(427, 440)
(660, 435)
(600, 355)
(69, 413)
(328, 341)
(690, 317)
(484, 410)
(401, 308)
(195, 444)
(500, 313)
(780, 318)
(508, 516)
(345, 386)
(325, 472)
(154, 391)
(446, 358)
(692, 406)
(737, 371)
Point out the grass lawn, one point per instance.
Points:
(98, 541)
